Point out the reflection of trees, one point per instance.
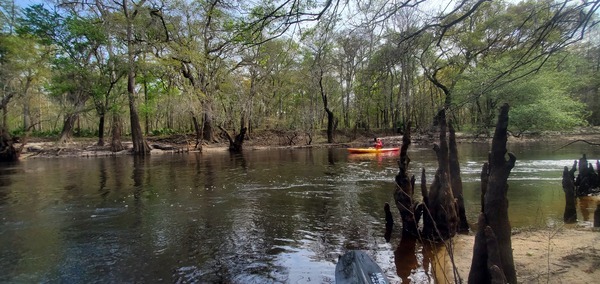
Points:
(238, 160)
(331, 159)
(138, 186)
(407, 265)
(117, 166)
(236, 224)
(587, 206)
(11, 252)
(103, 190)
(5, 182)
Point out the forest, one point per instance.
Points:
(131, 69)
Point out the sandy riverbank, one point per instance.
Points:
(561, 255)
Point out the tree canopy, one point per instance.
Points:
(193, 66)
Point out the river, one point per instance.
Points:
(267, 216)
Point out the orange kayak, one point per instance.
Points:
(371, 150)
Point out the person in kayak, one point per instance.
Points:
(378, 143)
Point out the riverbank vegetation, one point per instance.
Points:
(209, 67)
(101, 69)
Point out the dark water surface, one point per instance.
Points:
(277, 216)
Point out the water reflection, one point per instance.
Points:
(6, 172)
(279, 216)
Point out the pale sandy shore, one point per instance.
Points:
(552, 255)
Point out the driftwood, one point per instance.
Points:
(493, 221)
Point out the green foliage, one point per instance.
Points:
(163, 131)
(40, 134)
(86, 132)
(219, 58)
(40, 22)
(544, 103)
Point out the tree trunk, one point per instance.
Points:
(403, 195)
(198, 130)
(8, 153)
(330, 116)
(207, 125)
(597, 216)
(26, 115)
(568, 179)
(456, 182)
(495, 213)
(587, 181)
(115, 143)
(4, 115)
(67, 131)
(79, 101)
(330, 125)
(101, 129)
(441, 204)
(235, 144)
(140, 147)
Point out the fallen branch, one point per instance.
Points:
(578, 140)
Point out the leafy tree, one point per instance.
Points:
(319, 50)
(203, 37)
(23, 60)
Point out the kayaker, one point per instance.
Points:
(378, 143)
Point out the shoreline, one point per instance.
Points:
(87, 147)
(566, 254)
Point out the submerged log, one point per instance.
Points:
(495, 212)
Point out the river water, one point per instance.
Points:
(267, 216)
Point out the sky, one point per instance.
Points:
(26, 3)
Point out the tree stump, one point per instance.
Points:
(439, 207)
(597, 216)
(235, 144)
(403, 195)
(494, 218)
(441, 203)
(568, 184)
(456, 181)
(587, 181)
(8, 152)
